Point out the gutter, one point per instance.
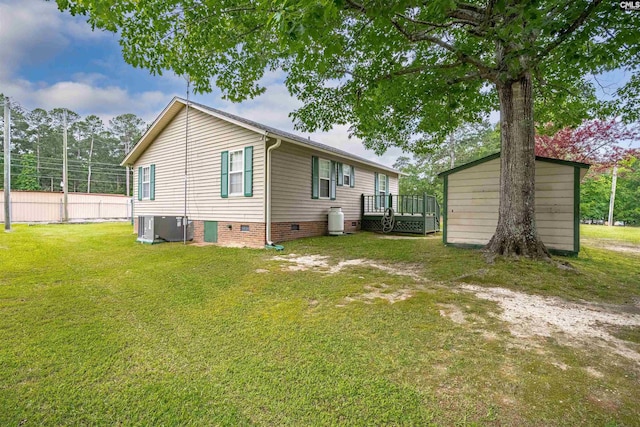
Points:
(268, 191)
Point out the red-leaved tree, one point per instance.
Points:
(601, 143)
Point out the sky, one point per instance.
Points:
(50, 59)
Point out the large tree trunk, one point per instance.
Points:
(516, 233)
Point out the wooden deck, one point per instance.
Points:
(412, 214)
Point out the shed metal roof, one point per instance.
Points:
(497, 156)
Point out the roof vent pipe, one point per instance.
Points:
(268, 182)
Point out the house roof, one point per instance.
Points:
(497, 156)
(178, 103)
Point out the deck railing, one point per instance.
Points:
(401, 204)
(414, 213)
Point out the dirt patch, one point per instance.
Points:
(321, 264)
(381, 291)
(560, 365)
(261, 270)
(453, 312)
(621, 248)
(594, 372)
(585, 324)
(604, 401)
(304, 262)
(613, 245)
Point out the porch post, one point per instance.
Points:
(424, 213)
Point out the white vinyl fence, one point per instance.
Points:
(40, 206)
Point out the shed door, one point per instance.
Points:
(211, 231)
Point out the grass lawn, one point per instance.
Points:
(617, 234)
(97, 329)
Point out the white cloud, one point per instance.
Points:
(273, 108)
(85, 98)
(34, 31)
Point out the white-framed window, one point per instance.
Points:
(325, 178)
(146, 182)
(236, 173)
(346, 175)
(382, 189)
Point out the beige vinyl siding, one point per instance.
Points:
(291, 186)
(554, 205)
(208, 137)
(473, 201)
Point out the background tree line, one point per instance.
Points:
(94, 152)
(601, 143)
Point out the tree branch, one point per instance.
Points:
(464, 57)
(357, 6)
(564, 34)
(418, 69)
(466, 78)
(471, 8)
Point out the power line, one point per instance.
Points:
(75, 167)
(55, 160)
(82, 172)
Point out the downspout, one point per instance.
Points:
(268, 190)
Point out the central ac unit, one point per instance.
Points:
(157, 229)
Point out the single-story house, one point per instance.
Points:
(472, 196)
(244, 183)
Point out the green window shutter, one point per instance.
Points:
(376, 190)
(224, 175)
(248, 171)
(315, 177)
(340, 174)
(387, 185)
(352, 181)
(140, 183)
(332, 182)
(152, 182)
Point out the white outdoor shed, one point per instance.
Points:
(471, 201)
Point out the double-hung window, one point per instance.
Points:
(346, 175)
(236, 163)
(236, 173)
(146, 182)
(325, 178)
(382, 189)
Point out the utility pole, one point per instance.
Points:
(452, 147)
(612, 199)
(7, 165)
(65, 184)
(127, 148)
(89, 171)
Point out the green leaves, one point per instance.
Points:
(398, 71)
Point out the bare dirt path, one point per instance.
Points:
(583, 325)
(574, 324)
(613, 245)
